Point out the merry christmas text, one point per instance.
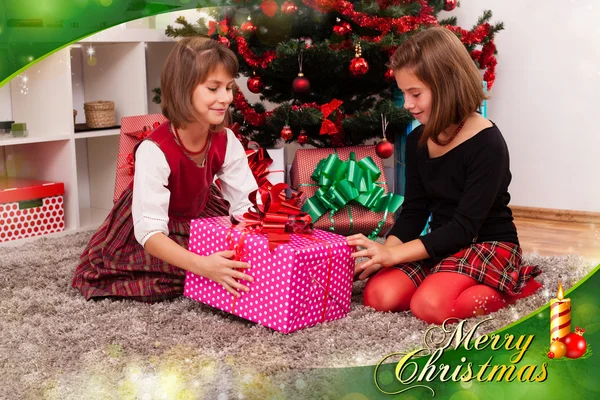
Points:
(440, 338)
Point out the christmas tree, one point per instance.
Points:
(322, 63)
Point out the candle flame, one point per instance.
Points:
(561, 294)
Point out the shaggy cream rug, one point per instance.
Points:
(56, 345)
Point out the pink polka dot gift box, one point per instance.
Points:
(30, 208)
(299, 284)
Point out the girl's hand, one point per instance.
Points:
(220, 268)
(361, 273)
(377, 253)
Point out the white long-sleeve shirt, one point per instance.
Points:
(151, 197)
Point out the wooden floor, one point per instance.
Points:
(559, 238)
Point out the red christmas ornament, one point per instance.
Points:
(255, 84)
(358, 65)
(389, 75)
(248, 26)
(301, 84)
(286, 133)
(550, 354)
(342, 29)
(302, 138)
(269, 7)
(384, 149)
(450, 5)
(289, 8)
(576, 344)
(224, 41)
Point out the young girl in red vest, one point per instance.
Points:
(457, 171)
(140, 251)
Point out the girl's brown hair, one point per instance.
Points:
(189, 64)
(438, 58)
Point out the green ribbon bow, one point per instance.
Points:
(341, 182)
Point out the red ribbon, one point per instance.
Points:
(328, 279)
(328, 127)
(259, 162)
(278, 216)
(129, 164)
(258, 158)
(238, 255)
(144, 132)
(221, 26)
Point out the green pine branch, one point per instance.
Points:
(157, 94)
(452, 21)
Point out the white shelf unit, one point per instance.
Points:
(127, 68)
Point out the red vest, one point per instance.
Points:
(189, 183)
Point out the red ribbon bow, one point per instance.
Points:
(258, 158)
(129, 164)
(221, 26)
(259, 161)
(144, 132)
(278, 216)
(328, 127)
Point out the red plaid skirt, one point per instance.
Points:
(114, 264)
(496, 264)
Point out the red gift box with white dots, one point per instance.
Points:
(133, 130)
(30, 208)
(297, 285)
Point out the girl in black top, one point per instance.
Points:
(457, 171)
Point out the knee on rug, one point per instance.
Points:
(478, 300)
(429, 306)
(389, 290)
(451, 295)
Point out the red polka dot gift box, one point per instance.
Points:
(30, 208)
(133, 130)
(296, 285)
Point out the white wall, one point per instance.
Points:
(156, 56)
(546, 97)
(5, 106)
(77, 83)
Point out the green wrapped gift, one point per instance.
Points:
(346, 190)
(19, 129)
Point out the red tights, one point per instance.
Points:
(441, 295)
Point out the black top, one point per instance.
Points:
(465, 190)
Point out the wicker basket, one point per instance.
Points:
(99, 114)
